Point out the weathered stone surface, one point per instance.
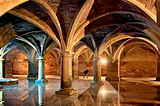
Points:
(20, 65)
(9, 4)
(51, 66)
(8, 69)
(32, 69)
(67, 11)
(139, 63)
(112, 71)
(149, 4)
(54, 4)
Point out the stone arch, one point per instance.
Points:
(8, 57)
(9, 4)
(137, 59)
(119, 50)
(20, 64)
(150, 9)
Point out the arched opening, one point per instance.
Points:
(139, 61)
(52, 67)
(20, 64)
(15, 63)
(86, 61)
(82, 63)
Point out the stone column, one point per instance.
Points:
(41, 78)
(158, 12)
(97, 71)
(32, 69)
(119, 69)
(158, 69)
(112, 71)
(66, 75)
(119, 96)
(1, 68)
(76, 69)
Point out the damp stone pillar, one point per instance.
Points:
(66, 75)
(1, 68)
(158, 69)
(158, 12)
(41, 78)
(76, 69)
(112, 71)
(97, 71)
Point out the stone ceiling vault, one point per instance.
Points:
(98, 24)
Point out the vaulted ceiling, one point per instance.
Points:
(100, 25)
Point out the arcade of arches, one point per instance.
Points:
(61, 37)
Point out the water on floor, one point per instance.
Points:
(127, 92)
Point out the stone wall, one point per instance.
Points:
(20, 65)
(140, 63)
(138, 69)
(52, 67)
(7, 69)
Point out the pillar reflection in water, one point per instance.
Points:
(1, 68)
(1, 98)
(41, 98)
(91, 97)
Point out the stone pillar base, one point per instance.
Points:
(65, 92)
(8, 76)
(106, 78)
(76, 78)
(1, 87)
(97, 83)
(41, 81)
(31, 77)
(157, 78)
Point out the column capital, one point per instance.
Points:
(40, 58)
(76, 61)
(115, 60)
(66, 53)
(1, 59)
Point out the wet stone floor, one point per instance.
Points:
(126, 92)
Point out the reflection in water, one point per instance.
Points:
(40, 94)
(90, 96)
(29, 94)
(123, 93)
(1, 97)
(138, 92)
